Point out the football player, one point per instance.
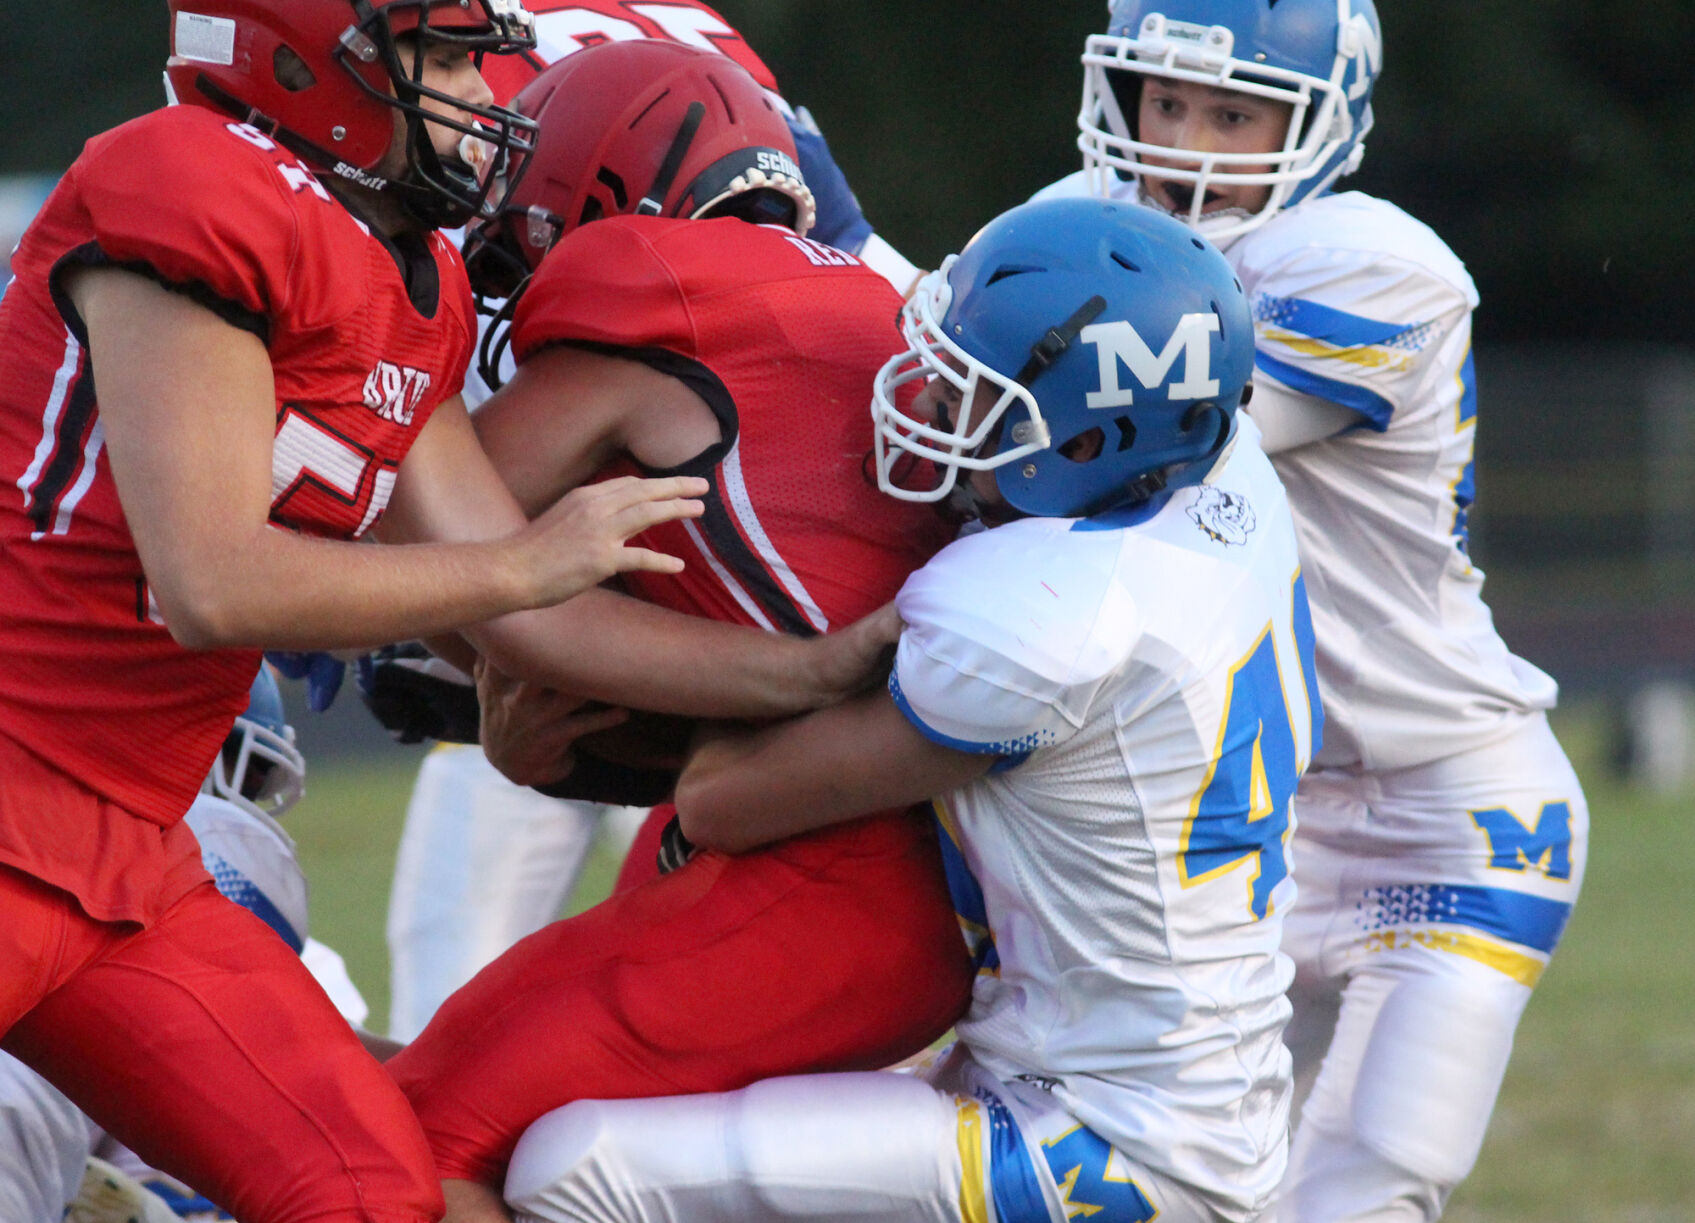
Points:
(484, 861)
(1442, 831)
(1110, 689)
(254, 780)
(253, 281)
(701, 335)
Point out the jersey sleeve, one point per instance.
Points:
(1006, 643)
(1359, 324)
(194, 204)
(564, 27)
(604, 284)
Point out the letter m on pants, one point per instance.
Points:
(1518, 847)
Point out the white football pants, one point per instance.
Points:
(1430, 901)
(866, 1148)
(44, 1143)
(482, 863)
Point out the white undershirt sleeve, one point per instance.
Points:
(1288, 419)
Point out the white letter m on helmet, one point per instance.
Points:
(1116, 342)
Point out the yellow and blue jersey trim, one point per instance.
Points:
(243, 891)
(1011, 752)
(1002, 1184)
(967, 895)
(1514, 933)
(1308, 329)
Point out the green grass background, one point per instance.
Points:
(1596, 1122)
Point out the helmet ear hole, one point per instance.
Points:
(292, 72)
(1196, 416)
(1086, 446)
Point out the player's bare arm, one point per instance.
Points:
(604, 646)
(568, 412)
(743, 788)
(187, 402)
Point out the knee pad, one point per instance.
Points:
(1333, 1178)
(1433, 1066)
(1412, 1072)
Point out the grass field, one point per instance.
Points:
(1597, 1120)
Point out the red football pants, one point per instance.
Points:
(834, 951)
(202, 1043)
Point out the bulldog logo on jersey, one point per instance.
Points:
(1224, 516)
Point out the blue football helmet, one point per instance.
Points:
(259, 766)
(1111, 345)
(1322, 57)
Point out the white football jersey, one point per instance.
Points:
(1122, 871)
(1357, 303)
(254, 863)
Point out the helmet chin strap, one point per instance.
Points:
(653, 203)
(965, 500)
(1045, 351)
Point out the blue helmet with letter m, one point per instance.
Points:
(259, 767)
(1097, 352)
(1321, 57)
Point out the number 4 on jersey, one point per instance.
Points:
(1241, 815)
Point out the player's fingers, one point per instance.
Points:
(646, 560)
(634, 519)
(885, 625)
(600, 719)
(630, 490)
(494, 686)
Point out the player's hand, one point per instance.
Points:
(855, 659)
(322, 672)
(841, 222)
(528, 731)
(579, 541)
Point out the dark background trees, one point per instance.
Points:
(1553, 146)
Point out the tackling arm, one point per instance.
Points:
(745, 788)
(187, 402)
(604, 646)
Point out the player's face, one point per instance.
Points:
(452, 71)
(944, 404)
(1186, 115)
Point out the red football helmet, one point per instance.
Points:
(325, 78)
(645, 126)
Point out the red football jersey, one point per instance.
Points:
(90, 680)
(564, 26)
(782, 337)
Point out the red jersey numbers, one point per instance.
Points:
(298, 177)
(323, 482)
(564, 28)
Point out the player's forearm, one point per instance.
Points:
(290, 592)
(743, 788)
(606, 647)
